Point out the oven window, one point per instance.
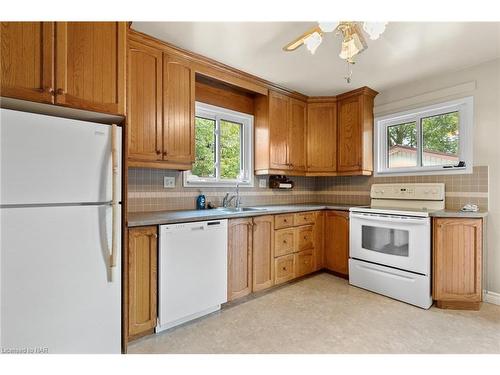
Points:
(385, 240)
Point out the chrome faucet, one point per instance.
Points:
(229, 198)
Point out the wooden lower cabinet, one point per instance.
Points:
(319, 246)
(142, 280)
(304, 262)
(456, 268)
(239, 278)
(284, 268)
(336, 242)
(263, 253)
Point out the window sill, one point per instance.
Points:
(442, 171)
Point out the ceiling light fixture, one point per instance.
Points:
(374, 29)
(353, 41)
(313, 41)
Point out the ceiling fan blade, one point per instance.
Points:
(296, 43)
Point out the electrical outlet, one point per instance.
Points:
(168, 182)
(262, 183)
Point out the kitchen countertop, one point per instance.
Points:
(137, 219)
(460, 214)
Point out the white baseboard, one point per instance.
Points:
(491, 297)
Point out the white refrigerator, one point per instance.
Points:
(60, 258)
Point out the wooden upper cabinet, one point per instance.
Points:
(297, 127)
(27, 60)
(142, 280)
(144, 102)
(178, 111)
(322, 137)
(279, 112)
(336, 241)
(355, 131)
(456, 270)
(239, 278)
(90, 65)
(263, 252)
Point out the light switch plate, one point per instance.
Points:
(262, 183)
(168, 182)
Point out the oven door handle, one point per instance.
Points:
(391, 219)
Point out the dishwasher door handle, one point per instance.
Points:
(198, 228)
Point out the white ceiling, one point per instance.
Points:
(407, 51)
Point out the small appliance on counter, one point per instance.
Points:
(280, 182)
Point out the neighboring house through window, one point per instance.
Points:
(224, 148)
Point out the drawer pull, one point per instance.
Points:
(284, 268)
(284, 241)
(285, 220)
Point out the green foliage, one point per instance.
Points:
(230, 148)
(204, 165)
(403, 135)
(440, 133)
(230, 142)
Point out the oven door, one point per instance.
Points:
(396, 241)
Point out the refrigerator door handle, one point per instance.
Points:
(114, 199)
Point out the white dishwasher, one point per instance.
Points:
(192, 279)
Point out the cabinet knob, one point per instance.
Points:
(164, 153)
(158, 152)
(60, 92)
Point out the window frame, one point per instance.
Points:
(381, 142)
(217, 114)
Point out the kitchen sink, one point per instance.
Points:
(241, 209)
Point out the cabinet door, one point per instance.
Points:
(349, 134)
(142, 279)
(318, 230)
(263, 252)
(457, 247)
(144, 104)
(304, 262)
(178, 110)
(322, 137)
(90, 65)
(284, 268)
(27, 55)
(239, 258)
(279, 112)
(337, 241)
(296, 150)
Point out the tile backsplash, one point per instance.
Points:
(146, 191)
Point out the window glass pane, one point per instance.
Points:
(402, 145)
(230, 149)
(204, 165)
(441, 139)
(385, 240)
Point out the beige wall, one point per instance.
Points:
(483, 83)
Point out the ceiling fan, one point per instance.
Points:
(353, 40)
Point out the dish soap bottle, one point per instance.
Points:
(200, 202)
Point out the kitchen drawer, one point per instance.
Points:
(284, 268)
(305, 237)
(283, 221)
(303, 218)
(304, 262)
(284, 242)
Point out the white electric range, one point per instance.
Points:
(390, 241)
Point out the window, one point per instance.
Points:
(433, 139)
(223, 148)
